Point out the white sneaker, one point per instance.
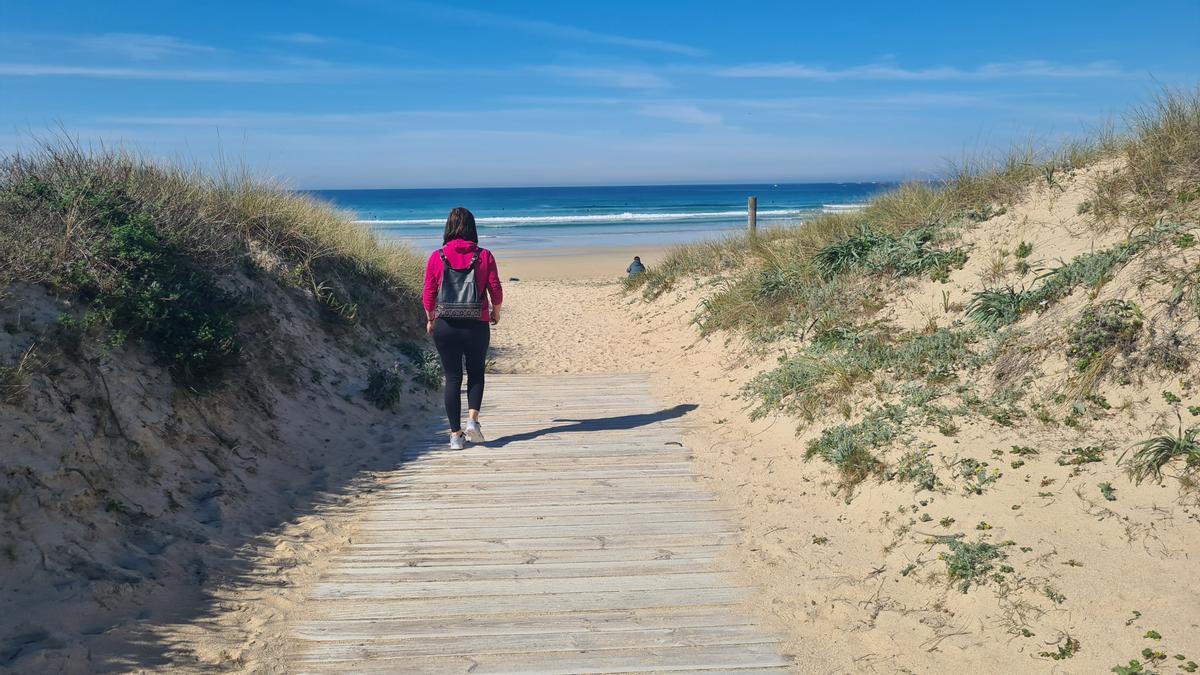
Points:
(474, 432)
(457, 442)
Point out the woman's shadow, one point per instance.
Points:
(617, 423)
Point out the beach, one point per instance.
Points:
(605, 263)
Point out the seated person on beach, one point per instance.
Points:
(635, 268)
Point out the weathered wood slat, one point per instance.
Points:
(573, 570)
(601, 661)
(578, 541)
(404, 588)
(352, 650)
(507, 605)
(578, 622)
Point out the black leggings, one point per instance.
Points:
(456, 339)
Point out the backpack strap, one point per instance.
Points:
(446, 261)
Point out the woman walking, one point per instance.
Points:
(459, 280)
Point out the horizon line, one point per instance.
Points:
(886, 181)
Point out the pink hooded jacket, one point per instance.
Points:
(459, 253)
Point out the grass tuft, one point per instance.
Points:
(384, 386)
(1155, 453)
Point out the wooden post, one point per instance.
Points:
(752, 215)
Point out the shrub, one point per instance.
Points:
(849, 447)
(427, 367)
(907, 254)
(160, 296)
(994, 307)
(384, 386)
(915, 466)
(970, 562)
(1102, 330)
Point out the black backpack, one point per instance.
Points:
(458, 296)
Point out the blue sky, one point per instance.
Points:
(373, 93)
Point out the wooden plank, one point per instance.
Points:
(537, 516)
(538, 544)
(404, 588)
(387, 647)
(600, 661)
(706, 551)
(578, 622)
(579, 541)
(381, 571)
(401, 534)
(524, 604)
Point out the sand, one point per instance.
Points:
(602, 263)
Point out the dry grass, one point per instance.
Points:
(1161, 172)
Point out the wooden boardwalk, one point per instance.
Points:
(577, 540)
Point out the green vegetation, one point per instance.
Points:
(149, 251)
(1155, 453)
(821, 287)
(425, 364)
(840, 358)
(384, 387)
(914, 466)
(850, 447)
(1109, 492)
(976, 475)
(1103, 330)
(970, 562)
(1081, 455)
(908, 254)
(994, 307)
(1067, 648)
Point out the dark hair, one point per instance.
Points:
(460, 224)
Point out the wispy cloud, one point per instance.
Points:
(889, 71)
(686, 114)
(540, 27)
(139, 46)
(230, 75)
(605, 77)
(120, 46)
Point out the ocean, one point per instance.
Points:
(537, 218)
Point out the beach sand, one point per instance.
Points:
(573, 264)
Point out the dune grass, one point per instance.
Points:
(153, 250)
(1161, 163)
(822, 283)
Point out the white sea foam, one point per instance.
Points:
(836, 208)
(567, 219)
